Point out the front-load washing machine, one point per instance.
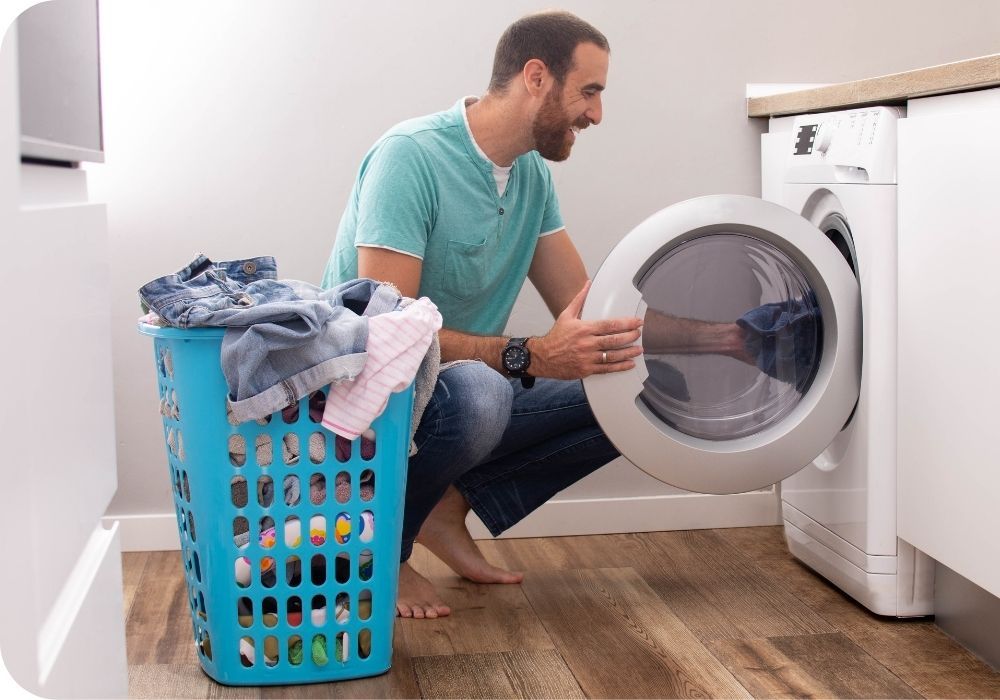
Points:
(769, 349)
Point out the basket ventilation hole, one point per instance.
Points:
(241, 531)
(366, 564)
(293, 531)
(237, 450)
(343, 487)
(365, 605)
(269, 612)
(267, 538)
(367, 487)
(265, 491)
(244, 611)
(292, 490)
(317, 489)
(317, 448)
(343, 567)
(318, 569)
(317, 611)
(343, 611)
(238, 491)
(364, 643)
(290, 449)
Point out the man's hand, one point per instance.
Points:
(574, 349)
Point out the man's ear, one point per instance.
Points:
(535, 75)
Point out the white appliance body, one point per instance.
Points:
(840, 511)
(769, 344)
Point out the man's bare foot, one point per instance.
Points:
(417, 597)
(445, 534)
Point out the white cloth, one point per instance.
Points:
(397, 343)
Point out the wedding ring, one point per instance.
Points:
(604, 357)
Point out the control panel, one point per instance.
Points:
(857, 145)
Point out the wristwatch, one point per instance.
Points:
(516, 359)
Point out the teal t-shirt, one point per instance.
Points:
(424, 189)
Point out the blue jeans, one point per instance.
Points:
(505, 448)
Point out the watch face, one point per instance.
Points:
(515, 358)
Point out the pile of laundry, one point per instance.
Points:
(286, 339)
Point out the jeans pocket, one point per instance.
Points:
(464, 269)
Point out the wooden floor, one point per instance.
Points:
(707, 613)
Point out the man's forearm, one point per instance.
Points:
(456, 345)
(673, 335)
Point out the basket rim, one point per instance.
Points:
(205, 333)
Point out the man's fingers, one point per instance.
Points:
(616, 360)
(610, 326)
(617, 340)
(610, 367)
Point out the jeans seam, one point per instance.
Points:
(479, 509)
(550, 410)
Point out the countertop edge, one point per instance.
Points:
(960, 76)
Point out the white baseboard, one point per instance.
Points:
(605, 516)
(557, 518)
(147, 533)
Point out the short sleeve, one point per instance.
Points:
(552, 220)
(396, 197)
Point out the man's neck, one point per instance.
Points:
(498, 127)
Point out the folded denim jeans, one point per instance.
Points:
(284, 338)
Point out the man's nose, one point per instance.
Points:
(595, 112)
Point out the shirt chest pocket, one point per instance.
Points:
(465, 268)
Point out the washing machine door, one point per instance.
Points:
(751, 341)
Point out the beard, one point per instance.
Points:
(551, 128)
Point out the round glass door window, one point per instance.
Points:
(732, 336)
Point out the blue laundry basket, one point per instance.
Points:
(267, 609)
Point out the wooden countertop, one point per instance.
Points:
(972, 74)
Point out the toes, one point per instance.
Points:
(403, 610)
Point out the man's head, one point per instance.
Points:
(562, 62)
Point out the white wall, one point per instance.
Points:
(236, 128)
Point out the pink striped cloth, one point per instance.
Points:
(397, 343)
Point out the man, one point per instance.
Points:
(460, 207)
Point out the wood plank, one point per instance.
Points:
(621, 640)
(951, 678)
(820, 665)
(843, 666)
(508, 674)
(182, 680)
(765, 671)
(718, 592)
(555, 553)
(484, 618)
(133, 567)
(158, 628)
(911, 648)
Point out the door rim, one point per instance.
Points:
(777, 451)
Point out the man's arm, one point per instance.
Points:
(573, 349)
(404, 271)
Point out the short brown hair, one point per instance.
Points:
(549, 36)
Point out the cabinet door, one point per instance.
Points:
(949, 365)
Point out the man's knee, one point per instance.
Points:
(480, 401)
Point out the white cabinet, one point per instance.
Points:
(949, 332)
(62, 633)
